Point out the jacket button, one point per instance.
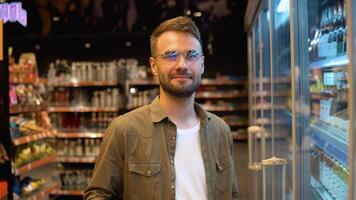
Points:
(220, 168)
(148, 172)
(173, 138)
(172, 186)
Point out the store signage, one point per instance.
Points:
(13, 12)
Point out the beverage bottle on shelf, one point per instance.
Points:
(71, 146)
(83, 72)
(96, 146)
(108, 98)
(66, 147)
(93, 122)
(78, 148)
(86, 147)
(115, 98)
(73, 72)
(51, 74)
(90, 72)
(92, 147)
(60, 148)
(340, 12)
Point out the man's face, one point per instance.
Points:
(179, 63)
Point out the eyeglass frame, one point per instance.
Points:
(186, 58)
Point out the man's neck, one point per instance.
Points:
(180, 110)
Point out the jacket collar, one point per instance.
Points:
(158, 114)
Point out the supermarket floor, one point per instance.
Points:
(241, 160)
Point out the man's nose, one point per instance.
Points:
(181, 61)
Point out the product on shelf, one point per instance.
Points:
(138, 98)
(25, 95)
(62, 72)
(27, 185)
(29, 124)
(3, 155)
(328, 37)
(74, 178)
(31, 152)
(88, 147)
(25, 70)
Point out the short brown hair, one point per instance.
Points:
(180, 24)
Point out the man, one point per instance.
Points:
(172, 148)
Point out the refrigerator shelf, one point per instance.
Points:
(330, 62)
(332, 145)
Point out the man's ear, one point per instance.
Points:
(153, 66)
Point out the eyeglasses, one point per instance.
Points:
(172, 56)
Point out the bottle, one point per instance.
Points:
(340, 41)
(51, 74)
(90, 72)
(78, 148)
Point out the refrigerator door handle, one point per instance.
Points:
(256, 147)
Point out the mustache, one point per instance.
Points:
(185, 74)
(181, 73)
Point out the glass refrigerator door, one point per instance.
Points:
(324, 77)
(260, 107)
(279, 185)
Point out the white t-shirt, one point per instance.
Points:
(190, 173)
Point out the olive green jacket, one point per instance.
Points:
(136, 159)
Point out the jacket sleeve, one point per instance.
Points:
(107, 178)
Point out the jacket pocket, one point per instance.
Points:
(223, 167)
(145, 180)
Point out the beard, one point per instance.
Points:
(181, 90)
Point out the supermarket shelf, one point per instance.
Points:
(81, 109)
(267, 121)
(331, 144)
(235, 123)
(239, 137)
(267, 106)
(76, 159)
(142, 82)
(331, 62)
(216, 95)
(27, 139)
(79, 135)
(67, 192)
(35, 81)
(211, 82)
(84, 84)
(276, 80)
(35, 164)
(224, 108)
(21, 109)
(42, 193)
(268, 94)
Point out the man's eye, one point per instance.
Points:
(193, 54)
(171, 55)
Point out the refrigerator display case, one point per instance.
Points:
(269, 76)
(311, 91)
(326, 64)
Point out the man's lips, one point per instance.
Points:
(181, 77)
